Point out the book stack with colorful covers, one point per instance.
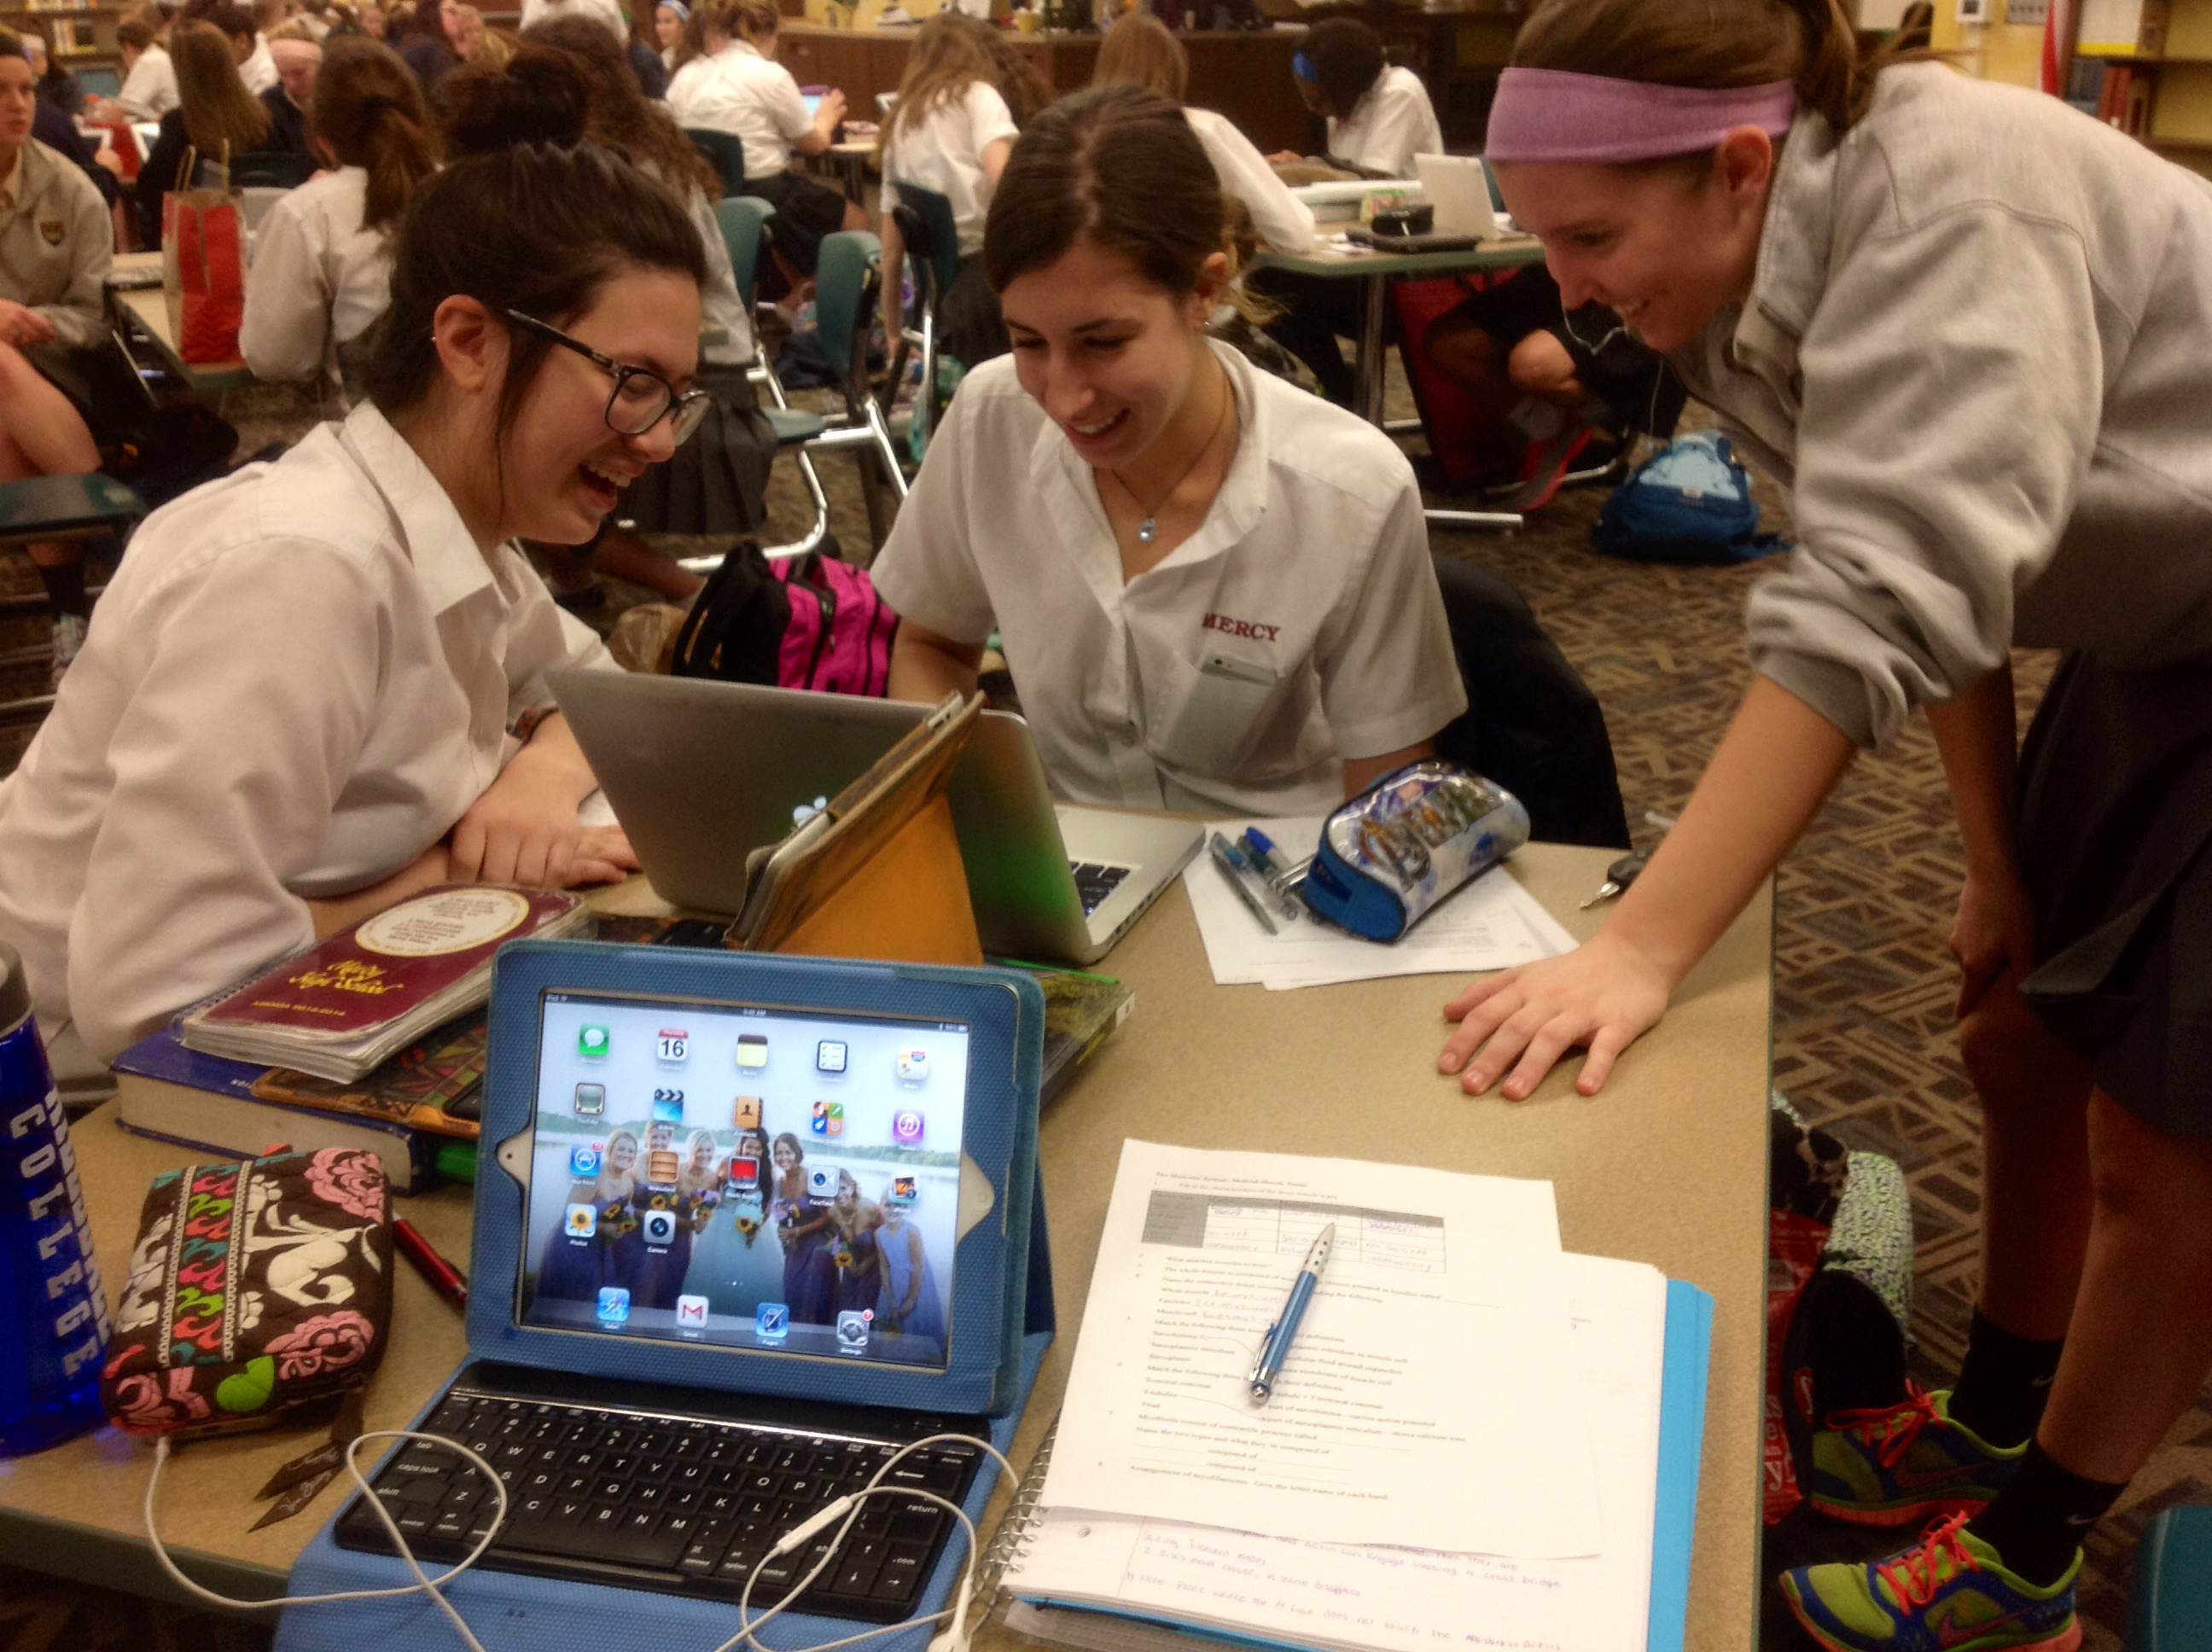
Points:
(373, 1039)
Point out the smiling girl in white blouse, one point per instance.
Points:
(317, 686)
(1213, 590)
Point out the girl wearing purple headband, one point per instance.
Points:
(1973, 332)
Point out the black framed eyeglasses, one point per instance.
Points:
(640, 398)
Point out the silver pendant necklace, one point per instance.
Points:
(1149, 529)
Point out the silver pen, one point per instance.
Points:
(1226, 858)
(1269, 1366)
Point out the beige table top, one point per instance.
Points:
(1668, 1166)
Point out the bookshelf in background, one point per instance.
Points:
(2145, 66)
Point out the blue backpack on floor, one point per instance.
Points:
(1690, 502)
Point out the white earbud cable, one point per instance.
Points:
(953, 1640)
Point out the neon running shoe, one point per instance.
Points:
(1894, 1465)
(1950, 1594)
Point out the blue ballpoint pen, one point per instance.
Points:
(1278, 1343)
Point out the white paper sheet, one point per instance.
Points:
(1492, 924)
(1437, 1352)
(1403, 1599)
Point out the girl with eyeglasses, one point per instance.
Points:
(317, 686)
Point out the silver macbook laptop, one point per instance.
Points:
(1459, 189)
(701, 773)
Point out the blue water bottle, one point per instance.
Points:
(53, 1312)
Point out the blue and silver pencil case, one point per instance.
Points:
(1392, 853)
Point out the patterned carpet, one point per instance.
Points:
(1862, 1034)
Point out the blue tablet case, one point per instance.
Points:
(537, 1614)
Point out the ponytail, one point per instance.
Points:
(367, 111)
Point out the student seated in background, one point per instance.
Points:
(216, 115)
(642, 41)
(247, 32)
(1139, 51)
(1379, 117)
(474, 42)
(1213, 590)
(422, 42)
(607, 13)
(322, 259)
(1514, 342)
(704, 36)
(950, 131)
(668, 19)
(51, 127)
(747, 93)
(298, 62)
(150, 80)
(718, 483)
(56, 243)
(316, 687)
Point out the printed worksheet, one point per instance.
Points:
(1395, 1599)
(1436, 1357)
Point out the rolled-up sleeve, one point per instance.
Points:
(187, 886)
(1954, 382)
(1388, 676)
(927, 570)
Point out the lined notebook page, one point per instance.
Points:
(1374, 1599)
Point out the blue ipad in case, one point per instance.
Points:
(731, 1170)
(747, 1229)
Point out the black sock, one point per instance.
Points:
(65, 588)
(2003, 1382)
(2037, 1522)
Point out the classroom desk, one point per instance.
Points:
(149, 307)
(1373, 271)
(1668, 1166)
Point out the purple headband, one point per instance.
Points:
(1553, 114)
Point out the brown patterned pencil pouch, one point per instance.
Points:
(254, 1288)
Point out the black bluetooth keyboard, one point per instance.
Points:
(685, 1504)
(1094, 883)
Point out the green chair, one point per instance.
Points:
(932, 251)
(51, 509)
(844, 298)
(724, 152)
(745, 222)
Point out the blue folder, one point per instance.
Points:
(1684, 1364)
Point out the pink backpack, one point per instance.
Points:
(810, 622)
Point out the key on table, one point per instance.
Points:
(1618, 877)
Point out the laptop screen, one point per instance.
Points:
(772, 1180)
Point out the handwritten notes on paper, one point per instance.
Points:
(1435, 1355)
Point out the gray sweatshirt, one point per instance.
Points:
(56, 251)
(1978, 350)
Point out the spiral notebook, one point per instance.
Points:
(1122, 1584)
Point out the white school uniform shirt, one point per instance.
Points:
(149, 91)
(298, 680)
(1284, 222)
(747, 95)
(684, 84)
(944, 151)
(606, 11)
(1389, 126)
(318, 279)
(259, 71)
(1299, 626)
